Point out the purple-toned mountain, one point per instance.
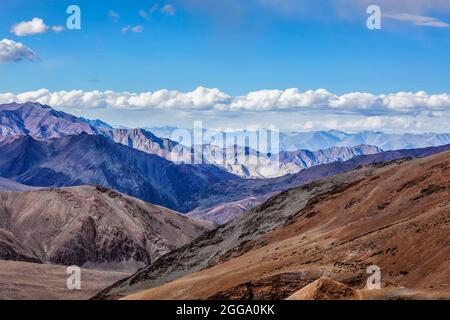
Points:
(94, 159)
(40, 121)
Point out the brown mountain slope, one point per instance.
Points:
(24, 280)
(397, 219)
(226, 241)
(93, 227)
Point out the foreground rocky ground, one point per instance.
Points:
(23, 280)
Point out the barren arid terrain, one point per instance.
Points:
(395, 216)
(23, 280)
(90, 226)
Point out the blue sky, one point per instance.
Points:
(237, 47)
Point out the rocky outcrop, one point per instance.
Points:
(324, 288)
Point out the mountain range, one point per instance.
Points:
(75, 191)
(133, 161)
(319, 140)
(392, 215)
(94, 159)
(42, 122)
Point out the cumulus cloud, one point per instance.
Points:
(362, 123)
(26, 28)
(11, 51)
(207, 99)
(418, 20)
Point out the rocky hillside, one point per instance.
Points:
(93, 227)
(392, 215)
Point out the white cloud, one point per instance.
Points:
(135, 29)
(168, 9)
(11, 51)
(418, 20)
(57, 28)
(26, 28)
(354, 124)
(321, 100)
(289, 109)
(113, 14)
(144, 14)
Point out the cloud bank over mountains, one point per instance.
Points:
(264, 100)
(290, 109)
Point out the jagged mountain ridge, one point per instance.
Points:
(43, 122)
(319, 140)
(40, 121)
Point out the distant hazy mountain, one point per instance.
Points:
(306, 159)
(90, 226)
(241, 161)
(143, 140)
(95, 159)
(386, 141)
(253, 164)
(319, 140)
(42, 122)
